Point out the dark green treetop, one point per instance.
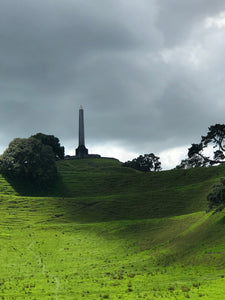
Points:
(29, 159)
(52, 141)
(145, 163)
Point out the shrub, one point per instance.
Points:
(216, 199)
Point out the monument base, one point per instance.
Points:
(82, 151)
(85, 156)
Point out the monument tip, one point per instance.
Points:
(81, 107)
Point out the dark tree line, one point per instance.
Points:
(197, 154)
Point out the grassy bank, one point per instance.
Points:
(107, 232)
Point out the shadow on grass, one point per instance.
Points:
(28, 188)
(69, 207)
(95, 205)
(83, 192)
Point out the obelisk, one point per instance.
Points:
(81, 126)
(81, 151)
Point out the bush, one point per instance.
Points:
(216, 199)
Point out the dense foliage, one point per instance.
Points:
(52, 141)
(214, 139)
(145, 163)
(217, 197)
(29, 159)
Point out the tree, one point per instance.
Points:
(216, 199)
(29, 159)
(145, 163)
(52, 141)
(193, 162)
(215, 138)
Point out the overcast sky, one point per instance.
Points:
(150, 74)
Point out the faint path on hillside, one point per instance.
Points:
(199, 222)
(43, 266)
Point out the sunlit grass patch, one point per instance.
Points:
(107, 232)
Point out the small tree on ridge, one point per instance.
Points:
(145, 163)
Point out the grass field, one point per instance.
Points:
(103, 231)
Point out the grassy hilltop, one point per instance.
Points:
(103, 231)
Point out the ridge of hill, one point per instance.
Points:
(104, 190)
(103, 231)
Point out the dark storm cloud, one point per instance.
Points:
(148, 73)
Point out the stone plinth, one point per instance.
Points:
(81, 151)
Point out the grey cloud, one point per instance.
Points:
(177, 19)
(108, 56)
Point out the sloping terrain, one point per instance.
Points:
(103, 231)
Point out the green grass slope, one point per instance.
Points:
(104, 190)
(102, 231)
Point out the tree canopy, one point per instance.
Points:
(192, 162)
(216, 199)
(52, 141)
(214, 142)
(30, 159)
(145, 163)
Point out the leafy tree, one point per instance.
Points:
(145, 163)
(52, 141)
(193, 162)
(29, 159)
(216, 199)
(215, 138)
